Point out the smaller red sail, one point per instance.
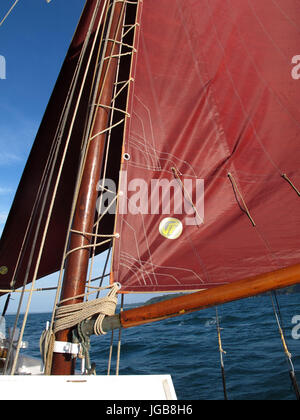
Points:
(21, 229)
(214, 109)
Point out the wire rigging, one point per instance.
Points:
(222, 352)
(8, 12)
(292, 373)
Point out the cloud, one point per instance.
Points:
(3, 217)
(9, 158)
(4, 191)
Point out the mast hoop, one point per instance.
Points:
(122, 44)
(117, 55)
(116, 235)
(113, 108)
(106, 129)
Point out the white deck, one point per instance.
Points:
(140, 387)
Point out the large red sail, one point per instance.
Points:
(215, 98)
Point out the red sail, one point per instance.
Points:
(215, 98)
(22, 219)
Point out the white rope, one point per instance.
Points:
(70, 315)
(9, 12)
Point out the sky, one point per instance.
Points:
(34, 40)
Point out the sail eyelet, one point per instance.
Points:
(126, 156)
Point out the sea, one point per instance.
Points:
(186, 347)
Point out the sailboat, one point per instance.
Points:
(170, 142)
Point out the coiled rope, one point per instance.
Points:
(69, 316)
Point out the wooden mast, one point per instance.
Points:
(77, 262)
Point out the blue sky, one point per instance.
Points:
(33, 41)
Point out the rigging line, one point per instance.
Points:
(236, 190)
(284, 176)
(110, 286)
(122, 44)
(39, 289)
(97, 95)
(221, 355)
(47, 176)
(107, 129)
(6, 305)
(109, 57)
(54, 193)
(113, 108)
(52, 156)
(110, 352)
(288, 355)
(85, 143)
(9, 12)
(90, 245)
(98, 278)
(108, 141)
(119, 339)
(97, 235)
(130, 28)
(104, 268)
(106, 210)
(125, 84)
(131, 71)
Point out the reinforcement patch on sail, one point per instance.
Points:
(213, 142)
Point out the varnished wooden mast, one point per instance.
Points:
(77, 263)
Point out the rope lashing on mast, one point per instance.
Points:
(72, 315)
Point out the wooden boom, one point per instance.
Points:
(248, 287)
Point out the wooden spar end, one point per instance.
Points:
(211, 297)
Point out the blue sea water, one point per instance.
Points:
(187, 348)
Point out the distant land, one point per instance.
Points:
(285, 291)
